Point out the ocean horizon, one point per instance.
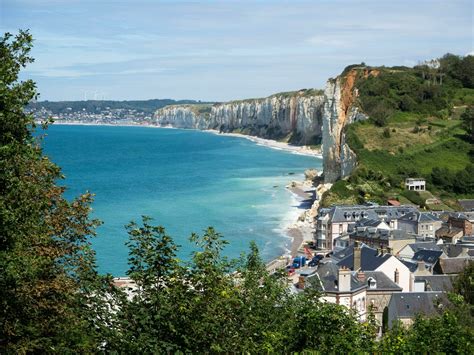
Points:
(185, 180)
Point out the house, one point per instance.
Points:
(379, 292)
(461, 249)
(409, 250)
(461, 221)
(439, 283)
(361, 257)
(449, 234)
(451, 265)
(415, 184)
(335, 221)
(428, 257)
(424, 224)
(381, 238)
(341, 242)
(405, 306)
(467, 205)
(341, 286)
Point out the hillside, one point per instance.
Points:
(415, 129)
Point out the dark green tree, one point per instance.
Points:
(468, 121)
(51, 298)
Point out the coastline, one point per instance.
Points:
(301, 230)
(270, 143)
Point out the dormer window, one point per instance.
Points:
(371, 283)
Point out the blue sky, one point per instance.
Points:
(222, 50)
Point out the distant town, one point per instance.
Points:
(101, 111)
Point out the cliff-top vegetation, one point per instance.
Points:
(420, 125)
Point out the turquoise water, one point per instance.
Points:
(185, 180)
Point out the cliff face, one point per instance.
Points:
(295, 116)
(339, 110)
(302, 118)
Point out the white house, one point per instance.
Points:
(415, 184)
(364, 258)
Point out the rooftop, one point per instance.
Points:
(382, 281)
(328, 273)
(442, 283)
(428, 256)
(409, 304)
(370, 259)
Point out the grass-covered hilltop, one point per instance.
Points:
(420, 124)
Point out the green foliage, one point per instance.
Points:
(50, 294)
(468, 121)
(426, 89)
(414, 197)
(461, 182)
(464, 284)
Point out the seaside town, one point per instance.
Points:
(393, 261)
(106, 115)
(396, 261)
(221, 177)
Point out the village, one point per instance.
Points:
(394, 261)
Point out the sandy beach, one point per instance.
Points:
(303, 150)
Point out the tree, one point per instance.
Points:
(464, 284)
(51, 298)
(468, 121)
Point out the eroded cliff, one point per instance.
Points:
(340, 109)
(296, 117)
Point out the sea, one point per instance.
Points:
(185, 180)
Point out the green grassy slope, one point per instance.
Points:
(415, 130)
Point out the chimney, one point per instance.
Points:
(421, 266)
(344, 279)
(357, 256)
(361, 276)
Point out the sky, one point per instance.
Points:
(224, 50)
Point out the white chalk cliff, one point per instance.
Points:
(303, 117)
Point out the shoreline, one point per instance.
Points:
(301, 230)
(270, 143)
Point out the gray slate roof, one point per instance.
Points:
(409, 304)
(383, 282)
(467, 205)
(442, 283)
(452, 250)
(370, 259)
(379, 234)
(424, 246)
(428, 256)
(452, 265)
(354, 213)
(328, 275)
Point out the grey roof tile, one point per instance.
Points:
(409, 304)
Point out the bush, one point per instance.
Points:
(386, 132)
(414, 197)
